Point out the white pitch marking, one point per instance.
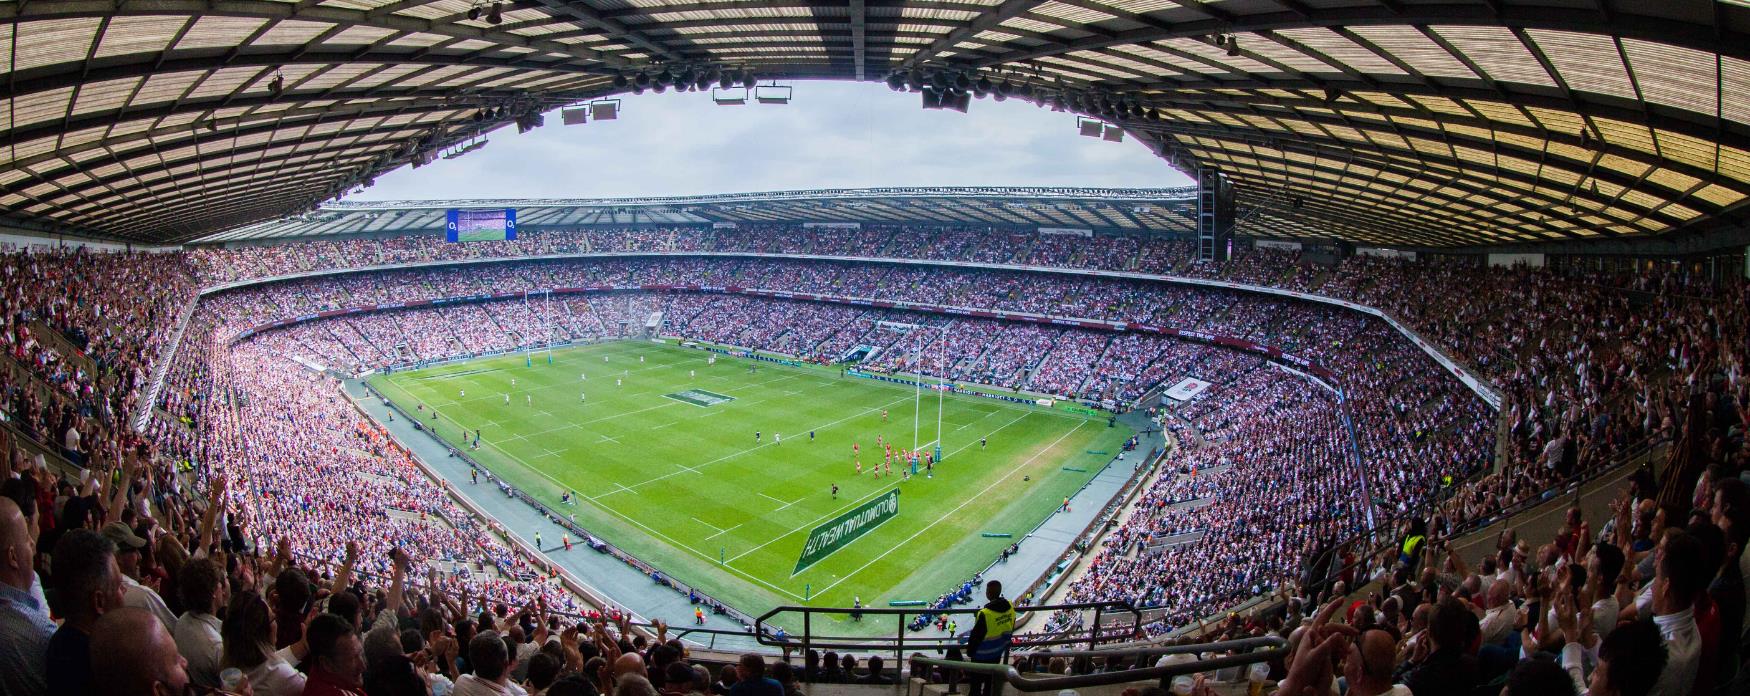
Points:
(950, 513)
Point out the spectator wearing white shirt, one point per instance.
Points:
(129, 546)
(248, 636)
(202, 588)
(1679, 578)
(1498, 620)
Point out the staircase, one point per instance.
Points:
(48, 336)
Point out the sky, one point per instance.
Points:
(831, 135)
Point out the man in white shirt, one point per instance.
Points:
(128, 547)
(1603, 566)
(202, 587)
(1680, 577)
(492, 664)
(1497, 622)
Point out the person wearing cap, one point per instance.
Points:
(128, 548)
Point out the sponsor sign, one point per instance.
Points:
(701, 398)
(844, 529)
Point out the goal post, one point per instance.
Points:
(920, 350)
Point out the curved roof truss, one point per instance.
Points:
(1428, 123)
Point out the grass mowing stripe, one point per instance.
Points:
(749, 502)
(695, 468)
(859, 501)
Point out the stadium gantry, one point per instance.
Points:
(1459, 123)
(1129, 210)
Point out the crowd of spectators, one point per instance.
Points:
(231, 484)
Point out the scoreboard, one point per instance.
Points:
(480, 225)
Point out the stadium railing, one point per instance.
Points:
(1246, 651)
(769, 635)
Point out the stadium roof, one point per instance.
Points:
(1425, 122)
(1172, 210)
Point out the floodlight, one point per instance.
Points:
(574, 116)
(957, 100)
(604, 109)
(495, 15)
(773, 94)
(1114, 133)
(734, 96)
(1089, 127)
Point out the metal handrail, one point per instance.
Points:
(899, 641)
(1218, 646)
(1004, 674)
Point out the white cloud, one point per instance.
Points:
(833, 134)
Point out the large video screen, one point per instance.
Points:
(480, 225)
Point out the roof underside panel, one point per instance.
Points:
(1440, 123)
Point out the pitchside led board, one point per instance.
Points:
(844, 529)
(480, 225)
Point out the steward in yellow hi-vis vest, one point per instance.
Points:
(991, 632)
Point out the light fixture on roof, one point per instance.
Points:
(474, 11)
(1090, 127)
(1233, 45)
(773, 94)
(604, 109)
(896, 82)
(620, 81)
(748, 79)
(1331, 95)
(574, 116)
(495, 15)
(1586, 140)
(734, 96)
(277, 85)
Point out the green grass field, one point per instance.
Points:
(681, 483)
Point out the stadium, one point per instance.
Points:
(1432, 379)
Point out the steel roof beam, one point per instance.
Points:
(1454, 137)
(1725, 41)
(1589, 104)
(988, 18)
(590, 16)
(266, 9)
(132, 175)
(64, 75)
